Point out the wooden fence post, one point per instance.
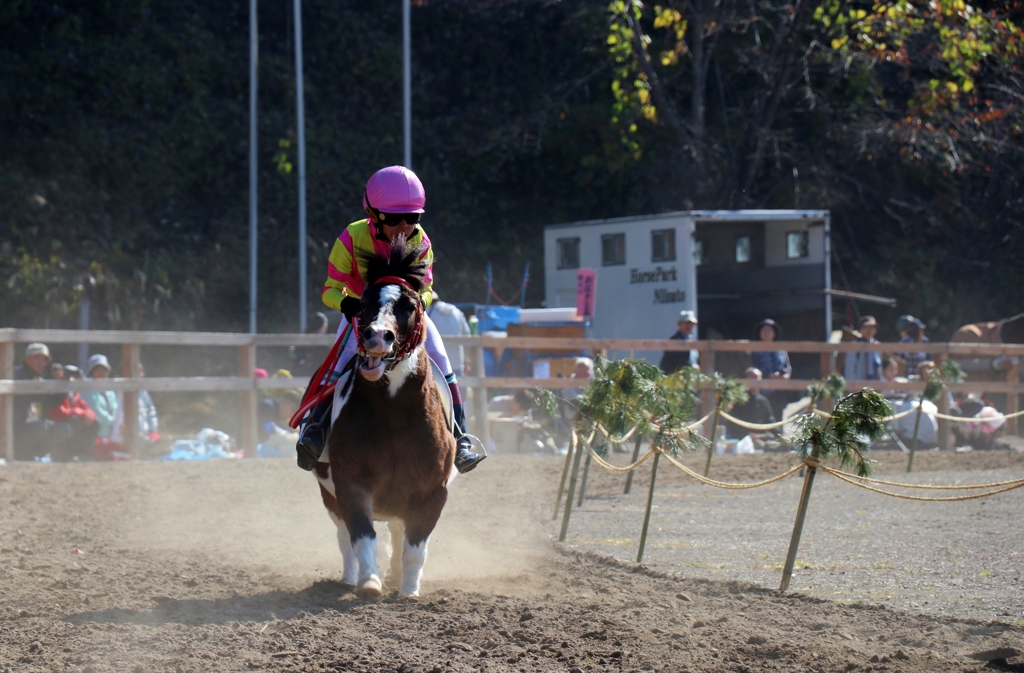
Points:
(130, 414)
(943, 405)
(707, 396)
(1012, 400)
(636, 454)
(578, 447)
(7, 401)
(483, 426)
(246, 367)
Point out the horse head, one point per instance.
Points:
(390, 325)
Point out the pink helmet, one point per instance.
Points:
(394, 189)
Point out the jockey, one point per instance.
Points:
(393, 200)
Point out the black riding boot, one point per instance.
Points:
(314, 436)
(465, 459)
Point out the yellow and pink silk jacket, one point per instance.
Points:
(346, 272)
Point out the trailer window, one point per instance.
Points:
(797, 245)
(698, 251)
(613, 249)
(742, 249)
(663, 245)
(568, 253)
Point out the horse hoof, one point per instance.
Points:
(371, 590)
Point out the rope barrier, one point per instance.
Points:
(759, 426)
(725, 484)
(842, 476)
(974, 419)
(927, 487)
(894, 417)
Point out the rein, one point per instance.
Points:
(415, 337)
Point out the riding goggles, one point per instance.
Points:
(394, 219)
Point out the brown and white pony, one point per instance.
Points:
(390, 451)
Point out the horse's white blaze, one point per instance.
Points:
(366, 554)
(350, 565)
(401, 371)
(413, 558)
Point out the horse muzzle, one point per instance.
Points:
(377, 347)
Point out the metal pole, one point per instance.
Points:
(583, 482)
(407, 82)
(83, 324)
(828, 276)
(301, 123)
(253, 56)
(917, 426)
(714, 434)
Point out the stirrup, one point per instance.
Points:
(465, 459)
(310, 446)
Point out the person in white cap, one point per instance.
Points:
(102, 402)
(673, 361)
(30, 425)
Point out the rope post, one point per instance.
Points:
(798, 527)
(917, 425)
(636, 454)
(945, 435)
(565, 473)
(712, 437)
(573, 446)
(583, 482)
(647, 513)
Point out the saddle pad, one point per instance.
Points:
(445, 392)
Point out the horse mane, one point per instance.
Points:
(402, 261)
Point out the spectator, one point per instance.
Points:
(757, 409)
(911, 331)
(277, 438)
(584, 371)
(104, 404)
(512, 406)
(450, 321)
(80, 421)
(31, 429)
(867, 365)
(673, 361)
(772, 364)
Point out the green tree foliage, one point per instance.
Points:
(124, 166)
(846, 435)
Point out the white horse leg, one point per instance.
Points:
(413, 558)
(397, 529)
(350, 566)
(368, 584)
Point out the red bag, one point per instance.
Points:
(72, 408)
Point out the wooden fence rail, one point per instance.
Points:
(248, 387)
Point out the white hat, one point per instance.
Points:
(687, 316)
(37, 349)
(98, 360)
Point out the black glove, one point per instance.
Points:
(351, 307)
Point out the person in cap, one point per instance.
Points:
(102, 402)
(673, 361)
(773, 364)
(394, 201)
(30, 425)
(911, 331)
(866, 365)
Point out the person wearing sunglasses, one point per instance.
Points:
(394, 201)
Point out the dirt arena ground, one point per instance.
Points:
(232, 566)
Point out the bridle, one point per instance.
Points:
(411, 342)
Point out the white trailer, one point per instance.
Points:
(731, 267)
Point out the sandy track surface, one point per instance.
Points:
(232, 566)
